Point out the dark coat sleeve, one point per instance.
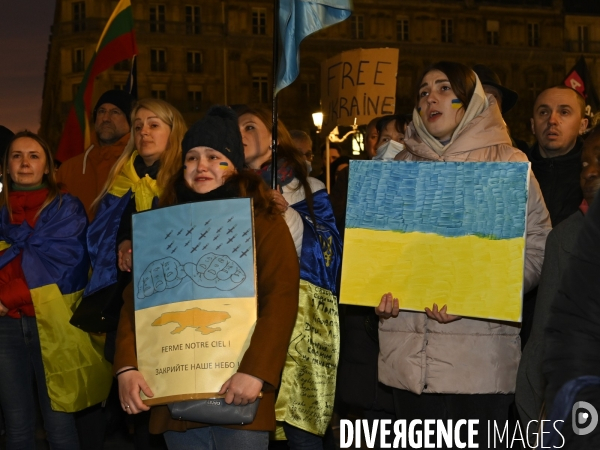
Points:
(573, 333)
(125, 231)
(529, 395)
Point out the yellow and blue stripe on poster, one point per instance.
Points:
(451, 233)
(195, 295)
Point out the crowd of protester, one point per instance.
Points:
(66, 234)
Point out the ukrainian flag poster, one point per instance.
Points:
(450, 233)
(194, 283)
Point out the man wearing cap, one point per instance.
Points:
(506, 98)
(84, 175)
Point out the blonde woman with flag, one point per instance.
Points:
(150, 158)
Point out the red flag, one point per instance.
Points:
(116, 43)
(579, 79)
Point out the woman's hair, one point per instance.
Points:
(383, 122)
(248, 184)
(170, 159)
(462, 79)
(286, 149)
(49, 178)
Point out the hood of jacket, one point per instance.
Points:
(485, 130)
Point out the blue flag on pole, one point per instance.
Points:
(298, 19)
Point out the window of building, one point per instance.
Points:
(192, 19)
(402, 29)
(194, 99)
(447, 30)
(78, 16)
(308, 90)
(493, 31)
(533, 34)
(194, 62)
(357, 22)
(260, 88)
(159, 92)
(535, 88)
(158, 60)
(123, 65)
(583, 38)
(74, 89)
(259, 21)
(78, 60)
(157, 18)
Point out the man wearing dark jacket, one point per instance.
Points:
(560, 246)
(572, 338)
(558, 121)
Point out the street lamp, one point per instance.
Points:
(333, 136)
(318, 120)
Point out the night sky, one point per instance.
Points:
(24, 37)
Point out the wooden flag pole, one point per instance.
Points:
(275, 67)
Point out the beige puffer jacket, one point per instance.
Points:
(468, 356)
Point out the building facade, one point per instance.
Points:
(195, 53)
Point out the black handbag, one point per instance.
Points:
(99, 312)
(214, 411)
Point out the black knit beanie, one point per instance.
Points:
(121, 99)
(218, 130)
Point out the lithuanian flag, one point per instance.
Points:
(116, 43)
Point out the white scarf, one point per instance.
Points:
(477, 105)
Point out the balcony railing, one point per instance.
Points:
(145, 26)
(583, 46)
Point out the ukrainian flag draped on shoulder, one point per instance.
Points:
(297, 20)
(102, 234)
(55, 263)
(307, 390)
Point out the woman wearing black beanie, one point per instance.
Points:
(212, 170)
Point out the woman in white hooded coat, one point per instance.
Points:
(443, 366)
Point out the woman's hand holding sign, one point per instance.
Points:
(241, 389)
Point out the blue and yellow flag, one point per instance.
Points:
(102, 233)
(298, 19)
(55, 263)
(307, 389)
(450, 233)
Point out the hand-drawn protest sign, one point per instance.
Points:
(358, 84)
(195, 296)
(451, 233)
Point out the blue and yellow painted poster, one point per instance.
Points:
(195, 295)
(451, 233)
